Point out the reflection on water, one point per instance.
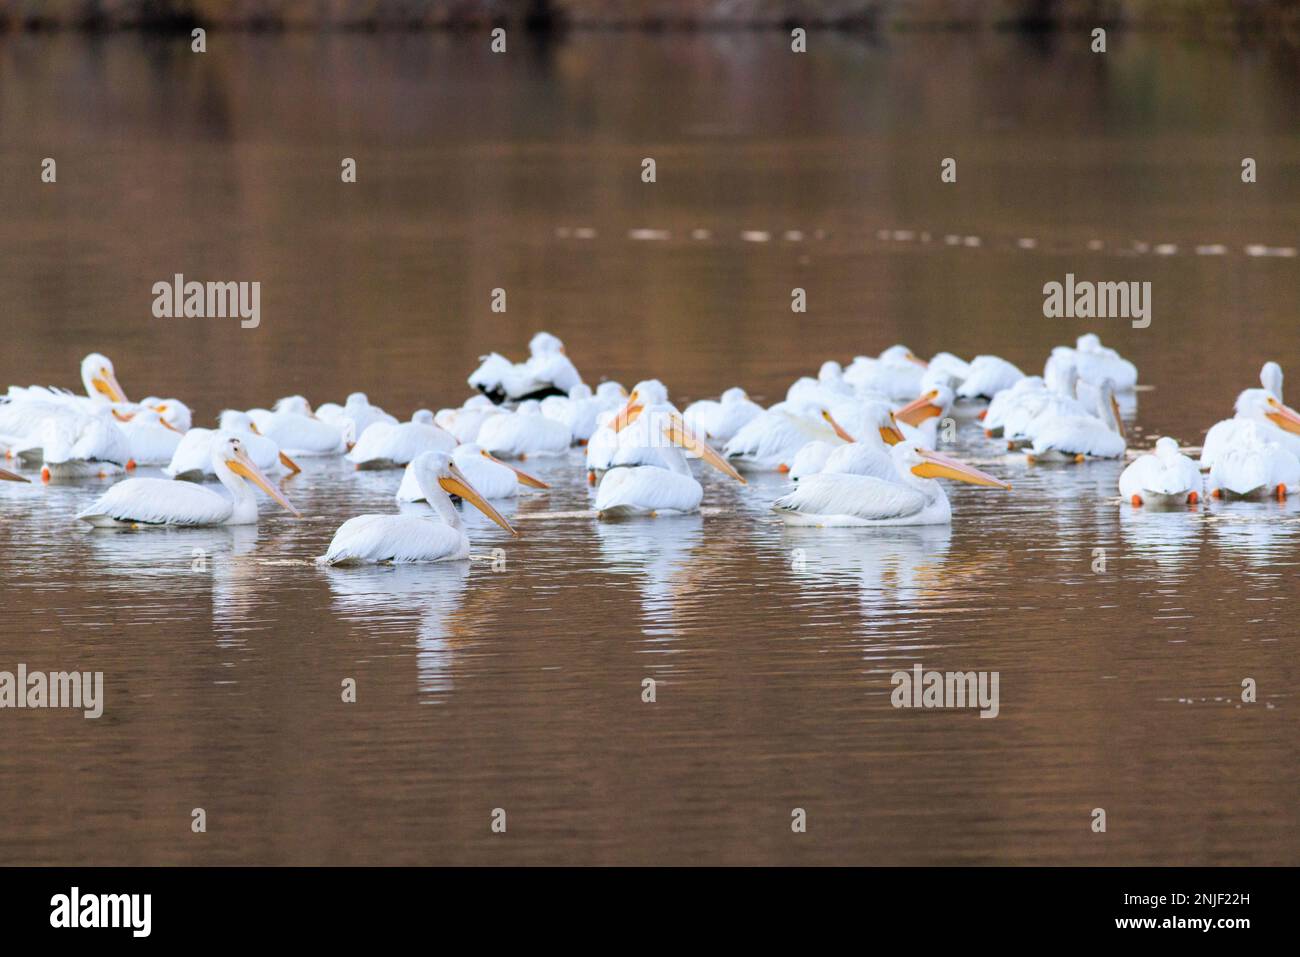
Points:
(224, 650)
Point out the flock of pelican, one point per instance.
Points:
(859, 445)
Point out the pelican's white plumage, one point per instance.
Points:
(465, 422)
(896, 373)
(149, 438)
(988, 376)
(295, 429)
(1029, 389)
(148, 501)
(769, 442)
(578, 411)
(398, 539)
(385, 445)
(910, 497)
(1097, 363)
(1253, 466)
(547, 371)
(1072, 437)
(524, 432)
(1161, 478)
(718, 420)
(74, 444)
(356, 409)
(811, 459)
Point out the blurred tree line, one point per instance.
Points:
(652, 14)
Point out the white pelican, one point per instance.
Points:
(75, 444)
(523, 432)
(896, 373)
(393, 539)
(295, 428)
(945, 369)
(719, 420)
(1254, 466)
(150, 438)
(829, 386)
(919, 419)
(769, 442)
(389, 446)
(811, 459)
(487, 473)
(627, 490)
(8, 476)
(78, 427)
(97, 377)
(988, 376)
(356, 409)
(578, 411)
(150, 501)
(465, 422)
(1161, 478)
(1263, 407)
(912, 497)
(608, 437)
(1073, 438)
(1029, 389)
(1097, 363)
(192, 460)
(175, 413)
(1021, 424)
(548, 371)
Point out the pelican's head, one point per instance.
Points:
(830, 371)
(357, 400)
(8, 476)
(1166, 446)
(913, 459)
(98, 378)
(611, 392)
(544, 344)
(898, 354)
(647, 392)
(296, 404)
(439, 469)
(1088, 342)
(232, 420)
(1270, 377)
(878, 416)
(735, 394)
(423, 417)
(229, 455)
(927, 405)
(175, 414)
(1283, 416)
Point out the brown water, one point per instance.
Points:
(521, 689)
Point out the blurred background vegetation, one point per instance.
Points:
(1280, 16)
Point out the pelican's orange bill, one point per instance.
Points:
(937, 465)
(520, 474)
(455, 483)
(919, 409)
